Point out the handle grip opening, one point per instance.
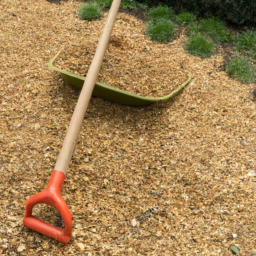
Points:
(51, 196)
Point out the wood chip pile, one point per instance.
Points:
(171, 179)
(132, 61)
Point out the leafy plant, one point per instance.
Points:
(90, 11)
(161, 12)
(242, 69)
(185, 18)
(198, 45)
(105, 3)
(246, 41)
(160, 30)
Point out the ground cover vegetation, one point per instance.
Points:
(185, 18)
(242, 69)
(200, 45)
(160, 30)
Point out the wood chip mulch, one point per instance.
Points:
(171, 179)
(132, 61)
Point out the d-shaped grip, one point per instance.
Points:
(51, 196)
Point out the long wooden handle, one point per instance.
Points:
(85, 95)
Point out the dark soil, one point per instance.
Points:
(139, 13)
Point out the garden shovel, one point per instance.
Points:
(51, 195)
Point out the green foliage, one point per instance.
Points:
(185, 18)
(161, 12)
(130, 4)
(199, 46)
(142, 5)
(125, 4)
(212, 27)
(90, 11)
(216, 29)
(194, 28)
(246, 41)
(105, 3)
(160, 30)
(236, 11)
(241, 69)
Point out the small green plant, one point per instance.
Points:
(198, 45)
(130, 4)
(161, 12)
(160, 30)
(246, 41)
(212, 27)
(105, 3)
(90, 11)
(185, 18)
(242, 69)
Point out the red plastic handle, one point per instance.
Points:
(51, 196)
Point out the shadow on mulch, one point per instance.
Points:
(118, 113)
(56, 1)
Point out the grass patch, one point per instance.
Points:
(161, 12)
(199, 46)
(246, 41)
(90, 11)
(185, 18)
(105, 3)
(212, 27)
(194, 28)
(242, 69)
(160, 30)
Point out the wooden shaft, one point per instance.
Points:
(85, 95)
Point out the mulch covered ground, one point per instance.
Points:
(171, 179)
(132, 61)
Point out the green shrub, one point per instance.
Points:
(161, 12)
(241, 69)
(199, 46)
(105, 3)
(246, 41)
(160, 30)
(185, 18)
(90, 11)
(236, 11)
